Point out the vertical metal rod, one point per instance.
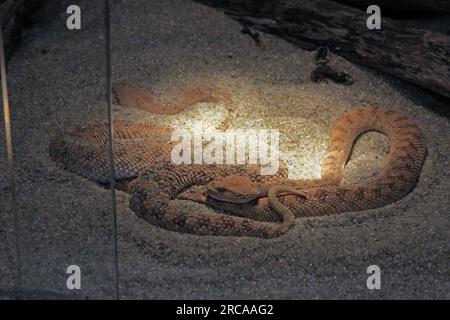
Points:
(111, 143)
(9, 149)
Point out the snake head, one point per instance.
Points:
(234, 189)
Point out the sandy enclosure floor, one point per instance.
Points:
(57, 78)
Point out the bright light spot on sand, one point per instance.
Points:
(207, 115)
(306, 139)
(303, 146)
(303, 166)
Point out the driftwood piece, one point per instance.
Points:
(420, 6)
(418, 56)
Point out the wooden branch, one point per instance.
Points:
(418, 56)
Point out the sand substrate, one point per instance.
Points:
(57, 78)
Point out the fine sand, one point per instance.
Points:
(57, 78)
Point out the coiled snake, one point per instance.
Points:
(253, 205)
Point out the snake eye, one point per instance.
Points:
(221, 189)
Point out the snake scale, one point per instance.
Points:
(251, 204)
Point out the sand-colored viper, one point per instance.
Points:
(257, 203)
